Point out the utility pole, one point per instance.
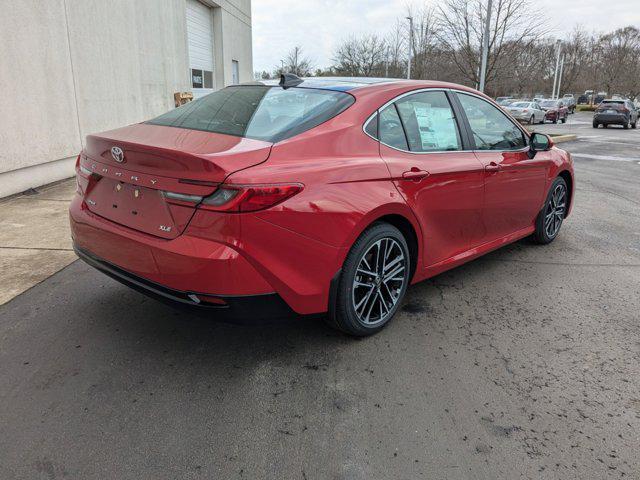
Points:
(410, 46)
(485, 48)
(386, 63)
(282, 66)
(555, 75)
(560, 76)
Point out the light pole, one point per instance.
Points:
(386, 63)
(560, 76)
(555, 75)
(485, 48)
(410, 46)
(282, 66)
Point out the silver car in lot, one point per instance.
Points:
(528, 112)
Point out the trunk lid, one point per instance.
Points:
(132, 167)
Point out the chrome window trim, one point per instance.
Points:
(440, 89)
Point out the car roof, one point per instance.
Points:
(341, 84)
(344, 84)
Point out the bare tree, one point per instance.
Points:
(295, 62)
(619, 61)
(424, 47)
(395, 61)
(461, 33)
(363, 56)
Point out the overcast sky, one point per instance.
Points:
(319, 25)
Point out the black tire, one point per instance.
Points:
(532, 120)
(626, 125)
(543, 234)
(595, 124)
(634, 124)
(555, 121)
(564, 120)
(342, 313)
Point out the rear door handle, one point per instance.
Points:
(493, 167)
(415, 174)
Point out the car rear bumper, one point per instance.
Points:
(523, 117)
(237, 309)
(611, 118)
(216, 257)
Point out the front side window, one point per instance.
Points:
(429, 122)
(491, 129)
(259, 112)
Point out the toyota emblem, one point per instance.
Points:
(118, 154)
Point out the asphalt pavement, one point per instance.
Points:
(522, 364)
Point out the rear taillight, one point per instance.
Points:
(249, 198)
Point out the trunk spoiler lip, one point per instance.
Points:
(99, 167)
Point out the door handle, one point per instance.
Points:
(493, 167)
(415, 174)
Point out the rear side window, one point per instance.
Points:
(259, 112)
(429, 122)
(390, 128)
(491, 129)
(372, 126)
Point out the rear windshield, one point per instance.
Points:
(549, 103)
(520, 105)
(259, 112)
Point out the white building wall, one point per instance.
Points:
(69, 68)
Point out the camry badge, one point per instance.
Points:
(118, 154)
(164, 228)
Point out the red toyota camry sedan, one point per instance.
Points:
(313, 196)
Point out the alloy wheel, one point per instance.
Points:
(379, 281)
(554, 213)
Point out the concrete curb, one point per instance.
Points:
(564, 138)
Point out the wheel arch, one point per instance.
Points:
(408, 232)
(403, 219)
(400, 216)
(568, 178)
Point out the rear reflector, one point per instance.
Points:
(200, 299)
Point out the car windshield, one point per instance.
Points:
(520, 105)
(259, 112)
(549, 103)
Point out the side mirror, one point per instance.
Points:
(539, 142)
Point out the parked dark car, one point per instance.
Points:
(616, 112)
(555, 110)
(599, 98)
(583, 100)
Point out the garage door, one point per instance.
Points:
(200, 39)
